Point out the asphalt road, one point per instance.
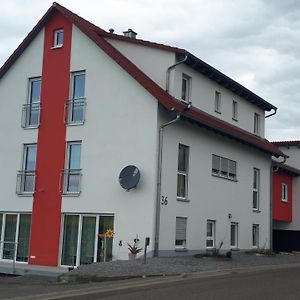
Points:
(277, 282)
(271, 284)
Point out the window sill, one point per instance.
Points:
(75, 123)
(256, 210)
(222, 177)
(183, 199)
(71, 194)
(234, 119)
(57, 47)
(218, 112)
(285, 201)
(29, 194)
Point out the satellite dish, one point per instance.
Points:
(129, 177)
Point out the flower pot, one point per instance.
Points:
(131, 256)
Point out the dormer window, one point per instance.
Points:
(185, 88)
(58, 38)
(256, 124)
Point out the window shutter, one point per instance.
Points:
(180, 228)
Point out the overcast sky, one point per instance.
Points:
(255, 42)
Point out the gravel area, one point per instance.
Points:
(172, 266)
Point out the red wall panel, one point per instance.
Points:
(46, 211)
(282, 211)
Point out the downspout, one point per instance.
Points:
(169, 70)
(158, 189)
(272, 114)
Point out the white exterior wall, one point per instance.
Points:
(14, 87)
(293, 161)
(212, 197)
(120, 129)
(203, 97)
(154, 62)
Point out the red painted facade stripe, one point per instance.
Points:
(282, 211)
(46, 211)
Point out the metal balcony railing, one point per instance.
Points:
(71, 182)
(75, 111)
(31, 115)
(25, 182)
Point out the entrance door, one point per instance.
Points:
(88, 233)
(9, 240)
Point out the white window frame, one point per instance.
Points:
(75, 101)
(67, 172)
(235, 110)
(255, 235)
(256, 129)
(183, 240)
(229, 166)
(236, 232)
(256, 189)
(182, 172)
(218, 102)
(185, 95)
(211, 238)
(284, 192)
(55, 41)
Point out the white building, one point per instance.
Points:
(78, 104)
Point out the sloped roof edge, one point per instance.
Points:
(94, 33)
(287, 143)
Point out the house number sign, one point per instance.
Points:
(164, 200)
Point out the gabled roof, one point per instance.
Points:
(287, 143)
(193, 114)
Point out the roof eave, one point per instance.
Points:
(228, 83)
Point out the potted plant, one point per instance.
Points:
(133, 250)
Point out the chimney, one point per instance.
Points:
(111, 30)
(130, 33)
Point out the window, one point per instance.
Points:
(284, 192)
(223, 167)
(58, 38)
(31, 110)
(76, 106)
(26, 176)
(82, 241)
(185, 88)
(256, 183)
(234, 110)
(218, 102)
(210, 234)
(256, 124)
(180, 235)
(255, 235)
(14, 242)
(234, 235)
(72, 173)
(182, 173)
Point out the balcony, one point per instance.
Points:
(71, 182)
(31, 115)
(75, 111)
(25, 183)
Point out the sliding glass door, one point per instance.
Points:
(84, 239)
(14, 236)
